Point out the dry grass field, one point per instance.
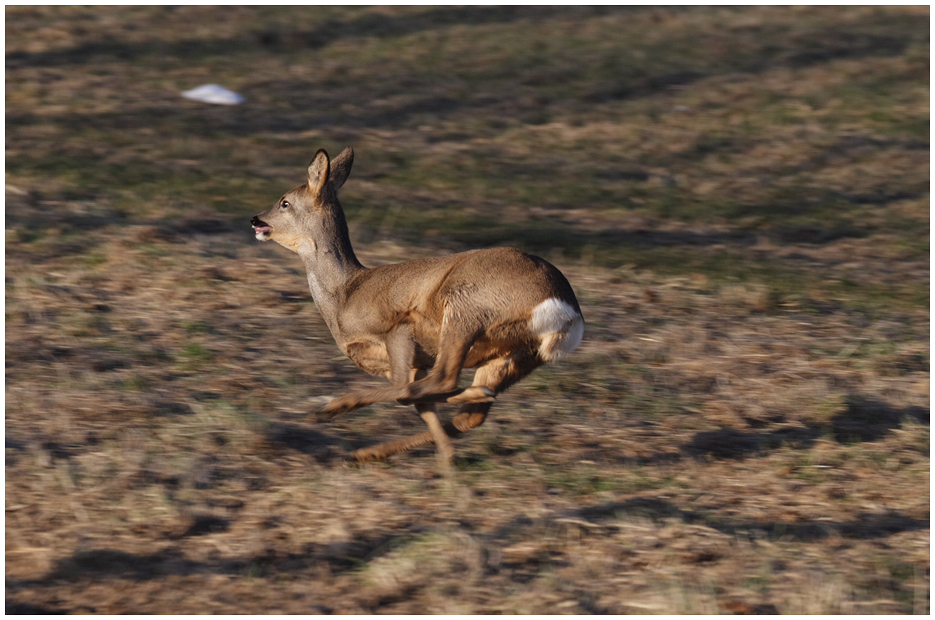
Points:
(739, 196)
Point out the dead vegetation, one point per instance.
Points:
(738, 196)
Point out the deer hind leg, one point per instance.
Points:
(389, 448)
(438, 433)
(441, 383)
(496, 376)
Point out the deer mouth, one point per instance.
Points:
(261, 229)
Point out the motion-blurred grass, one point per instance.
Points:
(740, 197)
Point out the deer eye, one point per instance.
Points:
(284, 204)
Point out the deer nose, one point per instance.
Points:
(255, 221)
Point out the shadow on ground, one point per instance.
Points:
(101, 564)
(863, 419)
(866, 525)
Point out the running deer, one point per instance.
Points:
(419, 323)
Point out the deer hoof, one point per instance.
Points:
(323, 416)
(366, 455)
(474, 394)
(335, 407)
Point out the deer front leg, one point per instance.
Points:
(441, 384)
(362, 398)
(355, 400)
(400, 351)
(473, 394)
(389, 448)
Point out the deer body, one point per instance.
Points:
(418, 323)
(419, 294)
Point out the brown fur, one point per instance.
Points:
(419, 323)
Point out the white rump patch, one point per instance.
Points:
(558, 327)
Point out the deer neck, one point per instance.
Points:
(330, 265)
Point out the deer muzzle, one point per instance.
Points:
(261, 228)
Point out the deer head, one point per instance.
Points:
(309, 217)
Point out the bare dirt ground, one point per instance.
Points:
(740, 198)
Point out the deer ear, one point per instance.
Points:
(341, 167)
(318, 171)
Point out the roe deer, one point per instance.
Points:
(419, 323)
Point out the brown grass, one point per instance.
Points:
(745, 428)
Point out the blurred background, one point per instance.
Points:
(739, 196)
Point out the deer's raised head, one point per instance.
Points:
(309, 215)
